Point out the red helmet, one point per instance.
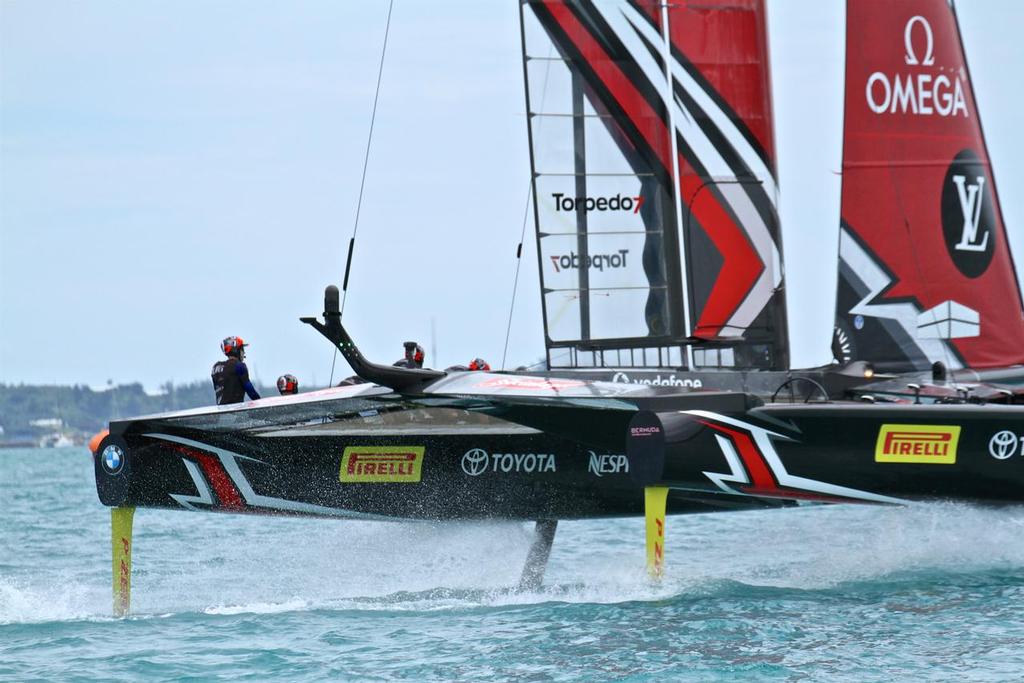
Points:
(232, 345)
(479, 364)
(287, 384)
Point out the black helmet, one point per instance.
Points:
(479, 364)
(287, 384)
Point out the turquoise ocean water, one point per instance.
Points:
(842, 593)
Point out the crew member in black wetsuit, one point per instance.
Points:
(231, 377)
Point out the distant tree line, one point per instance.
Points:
(86, 411)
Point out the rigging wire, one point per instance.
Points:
(526, 212)
(515, 280)
(362, 182)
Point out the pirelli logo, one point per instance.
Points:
(377, 464)
(932, 444)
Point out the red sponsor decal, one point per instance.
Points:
(225, 489)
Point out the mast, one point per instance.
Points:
(667, 57)
(580, 168)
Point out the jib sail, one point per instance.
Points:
(654, 182)
(925, 272)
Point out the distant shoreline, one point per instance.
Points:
(32, 415)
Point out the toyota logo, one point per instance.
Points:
(474, 462)
(113, 458)
(1002, 445)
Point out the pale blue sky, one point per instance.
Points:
(171, 173)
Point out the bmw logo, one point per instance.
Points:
(113, 458)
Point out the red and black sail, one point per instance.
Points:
(925, 272)
(655, 187)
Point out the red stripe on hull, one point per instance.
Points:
(763, 481)
(224, 488)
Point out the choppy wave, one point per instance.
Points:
(760, 594)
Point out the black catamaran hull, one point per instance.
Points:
(842, 452)
(518, 474)
(711, 461)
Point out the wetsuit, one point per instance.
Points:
(231, 381)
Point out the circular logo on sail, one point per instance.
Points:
(968, 217)
(1002, 445)
(474, 462)
(113, 458)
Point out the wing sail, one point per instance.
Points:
(654, 182)
(925, 272)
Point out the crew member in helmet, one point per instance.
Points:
(414, 356)
(475, 364)
(287, 385)
(231, 377)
